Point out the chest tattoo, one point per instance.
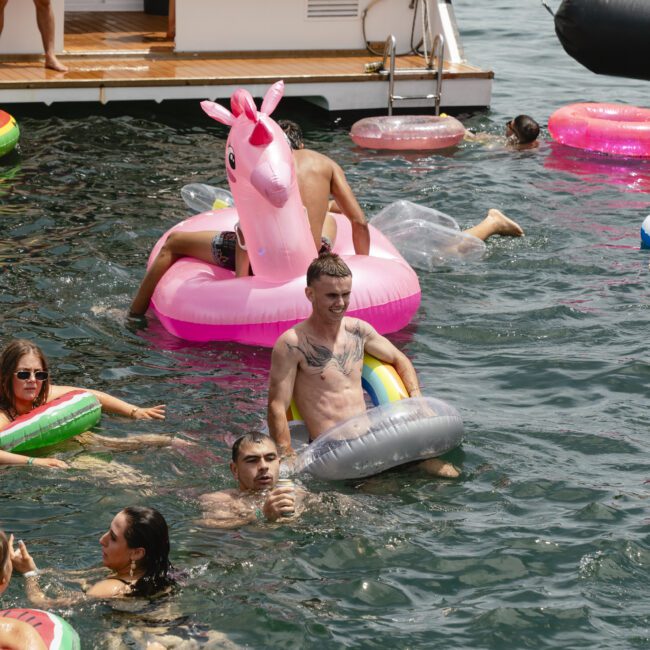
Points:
(318, 356)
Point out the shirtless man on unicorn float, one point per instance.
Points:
(317, 176)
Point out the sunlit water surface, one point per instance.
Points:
(542, 345)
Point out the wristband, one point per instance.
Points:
(30, 574)
(30, 460)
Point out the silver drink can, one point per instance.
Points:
(287, 482)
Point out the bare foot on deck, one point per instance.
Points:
(439, 468)
(53, 63)
(502, 225)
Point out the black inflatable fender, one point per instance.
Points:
(607, 36)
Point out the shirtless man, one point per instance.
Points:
(255, 465)
(45, 22)
(318, 177)
(319, 361)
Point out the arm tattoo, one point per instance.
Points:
(319, 357)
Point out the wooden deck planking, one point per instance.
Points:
(130, 49)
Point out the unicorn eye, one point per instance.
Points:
(231, 157)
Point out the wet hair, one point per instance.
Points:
(147, 528)
(252, 438)
(293, 133)
(327, 264)
(4, 554)
(525, 129)
(9, 360)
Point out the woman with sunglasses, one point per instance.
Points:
(25, 384)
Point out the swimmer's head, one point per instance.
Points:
(327, 264)
(255, 462)
(146, 530)
(13, 355)
(522, 129)
(252, 438)
(293, 133)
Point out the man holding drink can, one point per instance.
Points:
(260, 495)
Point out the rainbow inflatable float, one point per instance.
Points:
(202, 302)
(67, 416)
(55, 633)
(9, 133)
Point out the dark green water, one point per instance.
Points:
(542, 345)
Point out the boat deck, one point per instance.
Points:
(127, 55)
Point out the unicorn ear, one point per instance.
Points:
(237, 102)
(218, 112)
(272, 97)
(261, 135)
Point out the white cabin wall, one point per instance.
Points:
(21, 35)
(259, 25)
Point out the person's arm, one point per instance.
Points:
(284, 368)
(242, 261)
(115, 405)
(380, 347)
(18, 635)
(7, 458)
(348, 205)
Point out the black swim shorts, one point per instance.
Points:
(223, 249)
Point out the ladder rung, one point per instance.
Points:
(400, 97)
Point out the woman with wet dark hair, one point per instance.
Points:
(136, 550)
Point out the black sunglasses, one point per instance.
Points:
(39, 375)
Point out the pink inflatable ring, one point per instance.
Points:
(609, 128)
(407, 132)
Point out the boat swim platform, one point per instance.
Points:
(126, 56)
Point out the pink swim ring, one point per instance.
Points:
(198, 301)
(616, 129)
(407, 132)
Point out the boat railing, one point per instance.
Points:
(437, 55)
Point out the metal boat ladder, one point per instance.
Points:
(437, 54)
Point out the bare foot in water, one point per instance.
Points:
(502, 225)
(439, 468)
(53, 63)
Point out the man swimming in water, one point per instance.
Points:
(255, 465)
(319, 361)
(521, 133)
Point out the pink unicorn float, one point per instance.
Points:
(199, 301)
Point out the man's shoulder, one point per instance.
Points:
(314, 161)
(289, 338)
(358, 326)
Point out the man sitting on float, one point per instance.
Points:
(319, 361)
(318, 177)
